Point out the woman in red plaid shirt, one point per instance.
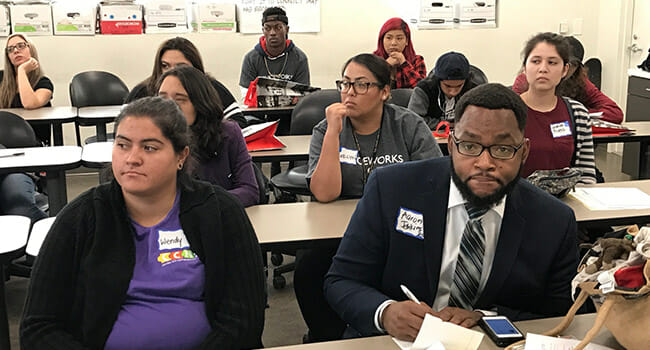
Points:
(395, 46)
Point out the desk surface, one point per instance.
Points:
(297, 149)
(641, 133)
(301, 222)
(97, 154)
(99, 112)
(40, 158)
(581, 324)
(45, 114)
(587, 217)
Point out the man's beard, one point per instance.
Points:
(486, 201)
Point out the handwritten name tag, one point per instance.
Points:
(172, 240)
(560, 129)
(410, 222)
(348, 156)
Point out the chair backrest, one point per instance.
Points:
(15, 132)
(400, 97)
(97, 88)
(594, 71)
(262, 184)
(477, 75)
(310, 110)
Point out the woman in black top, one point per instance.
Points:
(23, 83)
(180, 51)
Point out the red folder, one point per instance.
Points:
(261, 137)
(603, 128)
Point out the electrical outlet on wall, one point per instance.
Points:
(564, 27)
(577, 26)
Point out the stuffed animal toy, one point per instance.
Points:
(611, 249)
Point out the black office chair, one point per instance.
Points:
(594, 71)
(15, 132)
(309, 111)
(96, 88)
(477, 76)
(400, 97)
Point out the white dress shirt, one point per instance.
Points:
(456, 221)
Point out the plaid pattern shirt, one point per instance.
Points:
(409, 74)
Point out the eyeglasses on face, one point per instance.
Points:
(475, 149)
(20, 46)
(360, 87)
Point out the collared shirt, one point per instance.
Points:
(456, 221)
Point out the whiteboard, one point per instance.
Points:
(304, 15)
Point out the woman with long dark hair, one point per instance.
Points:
(577, 86)
(559, 128)
(219, 146)
(179, 51)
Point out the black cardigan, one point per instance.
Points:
(83, 270)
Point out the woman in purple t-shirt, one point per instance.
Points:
(220, 148)
(152, 260)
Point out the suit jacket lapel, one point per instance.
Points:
(435, 221)
(510, 237)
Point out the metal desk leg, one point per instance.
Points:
(57, 129)
(57, 192)
(101, 132)
(643, 162)
(4, 322)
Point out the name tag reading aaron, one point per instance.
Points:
(348, 156)
(410, 222)
(560, 129)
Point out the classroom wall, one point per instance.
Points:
(347, 28)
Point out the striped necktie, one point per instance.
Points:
(467, 275)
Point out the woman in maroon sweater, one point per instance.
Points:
(577, 86)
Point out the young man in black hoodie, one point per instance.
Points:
(274, 56)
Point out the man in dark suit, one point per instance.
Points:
(464, 233)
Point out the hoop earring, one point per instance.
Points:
(180, 166)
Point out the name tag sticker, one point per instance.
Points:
(560, 129)
(172, 240)
(348, 156)
(410, 222)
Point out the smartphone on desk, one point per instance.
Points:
(500, 330)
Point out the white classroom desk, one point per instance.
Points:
(54, 160)
(53, 116)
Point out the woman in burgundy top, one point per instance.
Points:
(577, 86)
(556, 139)
(395, 46)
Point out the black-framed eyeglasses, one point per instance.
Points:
(20, 46)
(360, 87)
(475, 149)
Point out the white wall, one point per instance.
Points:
(347, 27)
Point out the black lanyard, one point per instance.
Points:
(366, 171)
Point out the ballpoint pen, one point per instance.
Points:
(409, 294)
(12, 155)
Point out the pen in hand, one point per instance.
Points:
(12, 155)
(409, 294)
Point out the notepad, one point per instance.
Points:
(434, 331)
(611, 198)
(542, 342)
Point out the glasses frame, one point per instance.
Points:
(353, 85)
(489, 148)
(12, 48)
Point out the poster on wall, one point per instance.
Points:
(304, 15)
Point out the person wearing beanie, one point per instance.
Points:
(395, 46)
(274, 56)
(435, 97)
(577, 86)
